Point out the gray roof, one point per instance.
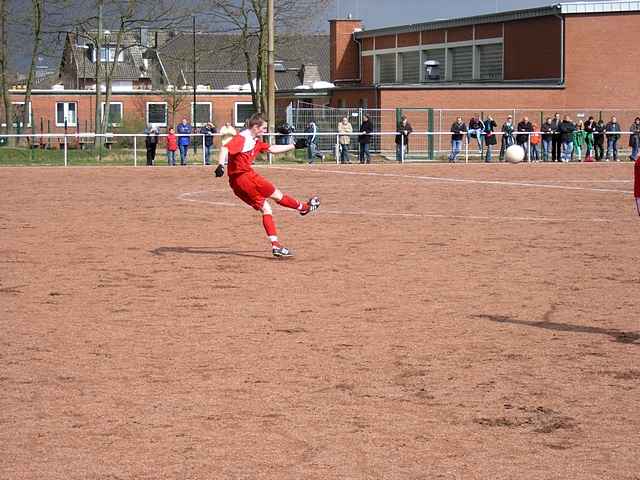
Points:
(555, 9)
(132, 68)
(220, 62)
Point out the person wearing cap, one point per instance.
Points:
(208, 131)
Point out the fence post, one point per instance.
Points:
(430, 146)
(402, 148)
(204, 157)
(65, 150)
(466, 149)
(529, 147)
(135, 150)
(337, 149)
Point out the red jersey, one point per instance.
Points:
(636, 189)
(172, 142)
(243, 149)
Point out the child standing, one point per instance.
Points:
(535, 139)
(172, 147)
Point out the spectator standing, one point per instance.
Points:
(151, 143)
(344, 139)
(547, 139)
(566, 128)
(522, 139)
(612, 138)
(507, 136)
(184, 130)
(589, 130)
(458, 129)
(579, 136)
(535, 138)
(402, 138)
(285, 132)
(598, 139)
(172, 147)
(312, 143)
(556, 141)
(208, 131)
(634, 139)
(475, 130)
(365, 139)
(489, 136)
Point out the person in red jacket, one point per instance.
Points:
(253, 189)
(172, 146)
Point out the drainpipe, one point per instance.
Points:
(562, 45)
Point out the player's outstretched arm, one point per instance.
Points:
(281, 148)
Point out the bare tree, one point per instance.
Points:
(4, 66)
(38, 7)
(247, 19)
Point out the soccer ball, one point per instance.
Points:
(514, 154)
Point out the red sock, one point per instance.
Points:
(270, 228)
(290, 202)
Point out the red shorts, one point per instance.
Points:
(251, 188)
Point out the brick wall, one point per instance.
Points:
(344, 50)
(532, 48)
(43, 107)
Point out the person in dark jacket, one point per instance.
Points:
(547, 139)
(507, 136)
(475, 130)
(522, 139)
(634, 139)
(151, 143)
(598, 139)
(208, 131)
(184, 131)
(458, 129)
(566, 128)
(313, 151)
(555, 139)
(612, 139)
(404, 129)
(364, 139)
(489, 136)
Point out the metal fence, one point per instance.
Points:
(129, 149)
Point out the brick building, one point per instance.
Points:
(569, 56)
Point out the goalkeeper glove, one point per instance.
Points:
(219, 170)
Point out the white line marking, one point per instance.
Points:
(186, 197)
(457, 180)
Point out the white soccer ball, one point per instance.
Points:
(514, 154)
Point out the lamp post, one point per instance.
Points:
(195, 95)
(271, 84)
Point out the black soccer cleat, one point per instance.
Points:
(312, 204)
(281, 252)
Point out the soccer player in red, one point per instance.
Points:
(253, 189)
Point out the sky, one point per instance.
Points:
(386, 13)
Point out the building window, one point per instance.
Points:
(243, 110)
(108, 54)
(202, 114)
(386, 68)
(489, 62)
(461, 62)
(115, 113)
(157, 114)
(66, 114)
(17, 110)
(410, 66)
(438, 72)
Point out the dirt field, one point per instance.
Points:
(438, 322)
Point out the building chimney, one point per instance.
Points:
(344, 50)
